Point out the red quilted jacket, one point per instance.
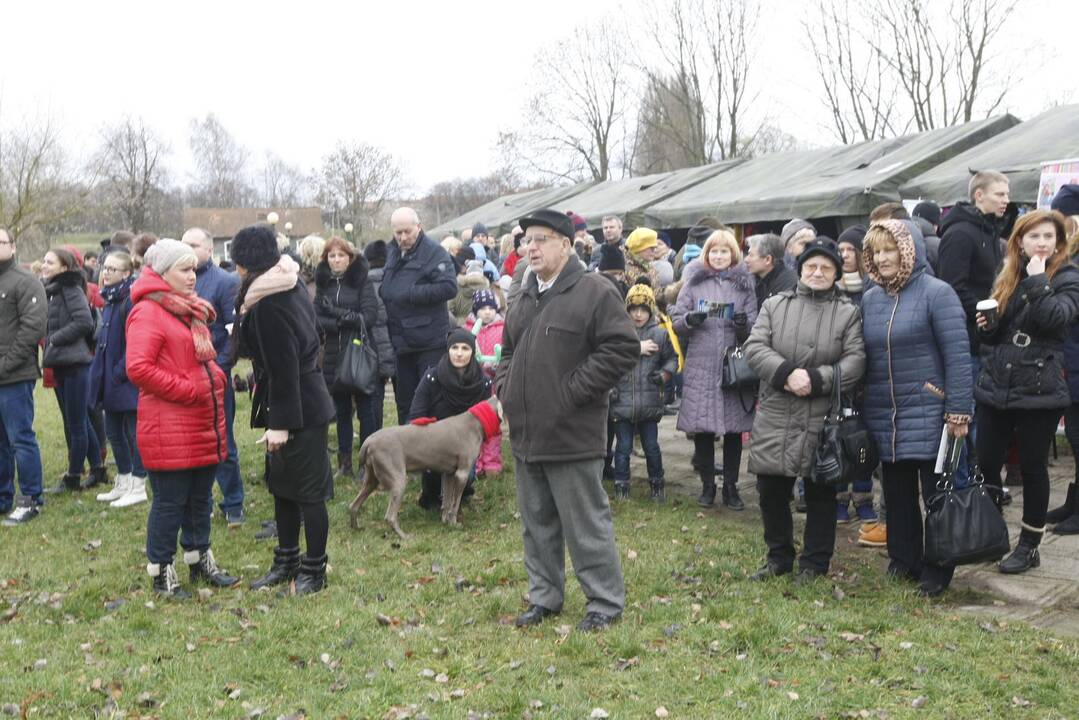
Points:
(181, 400)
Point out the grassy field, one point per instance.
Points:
(424, 628)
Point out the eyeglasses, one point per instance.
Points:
(6, 242)
(537, 239)
(110, 270)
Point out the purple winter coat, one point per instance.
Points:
(707, 407)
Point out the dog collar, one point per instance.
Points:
(488, 418)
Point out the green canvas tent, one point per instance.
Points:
(844, 182)
(630, 198)
(502, 214)
(1018, 153)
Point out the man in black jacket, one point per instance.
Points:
(418, 280)
(765, 261)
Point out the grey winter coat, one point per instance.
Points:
(23, 321)
(707, 407)
(380, 333)
(916, 347)
(637, 397)
(805, 329)
(71, 326)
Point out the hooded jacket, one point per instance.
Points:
(932, 243)
(24, 319)
(1023, 358)
(706, 406)
(341, 303)
(467, 285)
(970, 256)
(387, 360)
(812, 330)
(917, 357)
(181, 421)
(71, 326)
(109, 384)
(562, 353)
(637, 397)
(415, 288)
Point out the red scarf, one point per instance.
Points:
(194, 312)
(488, 418)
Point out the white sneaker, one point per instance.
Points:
(119, 488)
(136, 493)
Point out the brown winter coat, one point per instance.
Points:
(562, 353)
(799, 329)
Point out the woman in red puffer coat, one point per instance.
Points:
(181, 424)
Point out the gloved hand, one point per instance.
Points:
(695, 319)
(348, 319)
(323, 302)
(741, 327)
(658, 377)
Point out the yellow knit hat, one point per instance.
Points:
(640, 294)
(641, 239)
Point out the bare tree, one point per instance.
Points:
(283, 185)
(581, 90)
(131, 165)
(859, 92)
(221, 164)
(356, 180)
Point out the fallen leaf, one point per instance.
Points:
(623, 664)
(792, 695)
(442, 678)
(661, 712)
(599, 714)
(427, 673)
(92, 545)
(851, 637)
(1020, 702)
(457, 694)
(906, 645)
(146, 700)
(631, 555)
(536, 704)
(919, 702)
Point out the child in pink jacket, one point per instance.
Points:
(486, 324)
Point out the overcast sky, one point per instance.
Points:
(432, 82)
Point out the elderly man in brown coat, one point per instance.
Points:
(567, 341)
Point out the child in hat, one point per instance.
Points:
(486, 324)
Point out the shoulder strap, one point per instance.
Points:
(836, 408)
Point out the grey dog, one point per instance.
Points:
(449, 446)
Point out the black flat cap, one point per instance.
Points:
(557, 221)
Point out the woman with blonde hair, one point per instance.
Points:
(310, 250)
(716, 308)
(1022, 389)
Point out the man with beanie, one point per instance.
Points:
(765, 261)
(1066, 201)
(418, 281)
(640, 251)
(219, 288)
(23, 321)
(564, 348)
(697, 236)
(796, 235)
(612, 265)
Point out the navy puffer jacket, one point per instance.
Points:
(916, 347)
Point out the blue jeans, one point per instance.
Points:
(649, 433)
(73, 395)
(181, 501)
(18, 444)
(365, 411)
(228, 472)
(120, 429)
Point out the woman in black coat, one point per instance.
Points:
(68, 343)
(449, 388)
(345, 302)
(276, 329)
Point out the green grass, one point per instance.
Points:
(697, 638)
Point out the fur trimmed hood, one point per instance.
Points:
(355, 275)
(697, 272)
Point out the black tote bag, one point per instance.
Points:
(357, 364)
(845, 450)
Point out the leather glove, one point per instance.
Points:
(695, 319)
(741, 329)
(740, 318)
(348, 319)
(657, 377)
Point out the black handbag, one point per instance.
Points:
(357, 364)
(964, 525)
(845, 450)
(737, 374)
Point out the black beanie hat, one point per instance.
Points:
(255, 248)
(1066, 201)
(461, 335)
(611, 258)
(822, 246)
(375, 252)
(854, 235)
(927, 210)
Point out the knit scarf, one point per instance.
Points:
(118, 292)
(460, 389)
(280, 278)
(194, 312)
(851, 282)
(488, 418)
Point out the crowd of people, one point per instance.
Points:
(930, 325)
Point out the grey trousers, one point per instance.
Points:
(564, 503)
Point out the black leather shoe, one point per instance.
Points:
(731, 498)
(769, 571)
(534, 615)
(931, 589)
(595, 621)
(1069, 526)
(807, 576)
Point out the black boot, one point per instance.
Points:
(657, 490)
(431, 495)
(204, 568)
(1070, 524)
(708, 491)
(166, 581)
(312, 575)
(730, 496)
(286, 564)
(1065, 511)
(1025, 555)
(621, 490)
(68, 483)
(344, 466)
(97, 476)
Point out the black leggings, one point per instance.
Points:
(1034, 430)
(316, 523)
(704, 446)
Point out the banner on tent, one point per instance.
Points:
(1055, 174)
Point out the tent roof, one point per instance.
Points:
(1018, 153)
(630, 198)
(849, 180)
(502, 214)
